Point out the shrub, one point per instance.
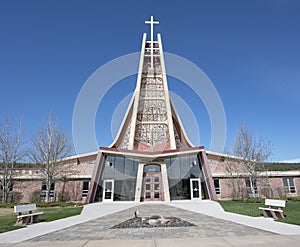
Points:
(294, 198)
(64, 196)
(36, 196)
(57, 204)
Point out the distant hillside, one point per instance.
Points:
(26, 165)
(265, 166)
(280, 166)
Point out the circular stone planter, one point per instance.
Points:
(153, 221)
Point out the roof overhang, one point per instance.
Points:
(151, 155)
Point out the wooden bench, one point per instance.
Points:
(30, 217)
(273, 212)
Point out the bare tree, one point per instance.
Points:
(10, 154)
(49, 146)
(252, 153)
(234, 171)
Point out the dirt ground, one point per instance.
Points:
(6, 211)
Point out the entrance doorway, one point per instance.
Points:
(195, 189)
(152, 186)
(152, 183)
(108, 190)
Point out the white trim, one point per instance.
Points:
(165, 182)
(180, 124)
(79, 156)
(166, 95)
(112, 190)
(221, 155)
(139, 183)
(191, 189)
(136, 96)
(133, 102)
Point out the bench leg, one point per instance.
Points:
(19, 222)
(267, 214)
(274, 215)
(279, 215)
(35, 218)
(22, 221)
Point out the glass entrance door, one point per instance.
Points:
(108, 190)
(152, 186)
(195, 188)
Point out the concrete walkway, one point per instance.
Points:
(228, 230)
(214, 209)
(89, 212)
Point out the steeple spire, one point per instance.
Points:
(151, 123)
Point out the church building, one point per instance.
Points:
(151, 158)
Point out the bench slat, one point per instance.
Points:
(271, 209)
(276, 203)
(27, 215)
(24, 208)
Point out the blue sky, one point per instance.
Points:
(250, 50)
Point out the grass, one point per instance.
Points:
(8, 217)
(55, 213)
(7, 222)
(246, 207)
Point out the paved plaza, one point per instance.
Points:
(99, 229)
(90, 230)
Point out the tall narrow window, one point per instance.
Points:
(44, 190)
(11, 186)
(248, 186)
(289, 185)
(85, 188)
(217, 186)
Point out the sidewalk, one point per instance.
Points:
(89, 212)
(247, 241)
(214, 209)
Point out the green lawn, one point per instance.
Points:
(8, 218)
(55, 213)
(291, 211)
(7, 223)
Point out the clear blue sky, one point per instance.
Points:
(250, 50)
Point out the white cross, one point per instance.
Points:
(151, 22)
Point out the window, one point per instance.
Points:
(248, 186)
(180, 170)
(85, 188)
(148, 195)
(217, 186)
(124, 172)
(10, 187)
(289, 185)
(44, 190)
(152, 168)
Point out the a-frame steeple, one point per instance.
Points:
(151, 157)
(151, 123)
